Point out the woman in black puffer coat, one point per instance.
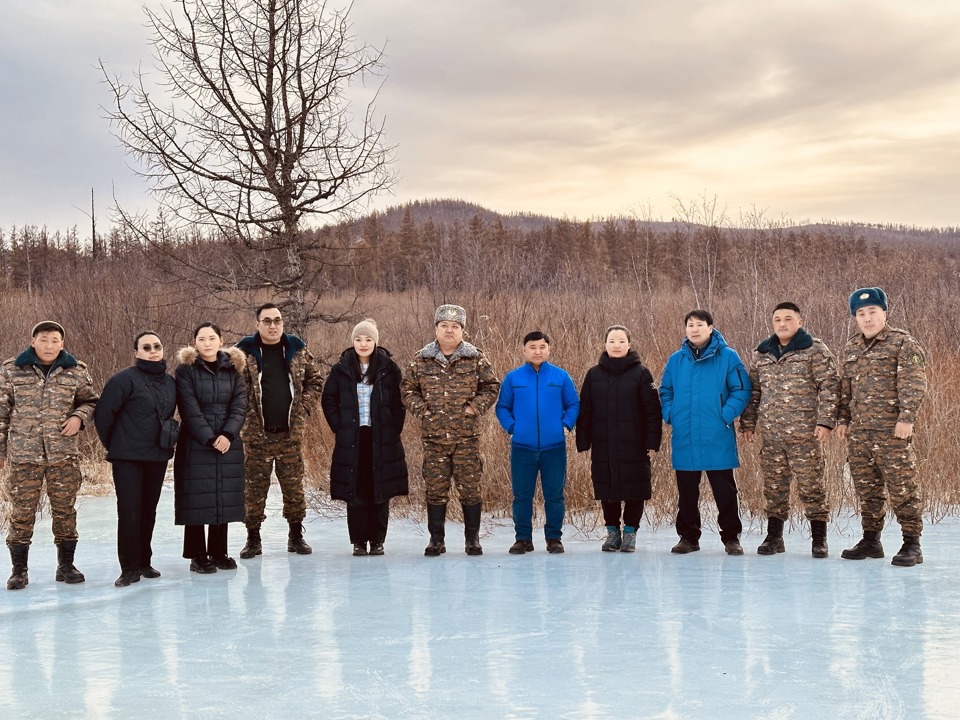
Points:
(129, 417)
(361, 402)
(208, 466)
(620, 423)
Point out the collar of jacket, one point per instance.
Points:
(230, 357)
(29, 357)
(464, 350)
(252, 345)
(345, 362)
(714, 346)
(801, 341)
(618, 365)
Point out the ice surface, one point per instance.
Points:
(581, 635)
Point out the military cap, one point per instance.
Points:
(451, 313)
(868, 296)
(46, 325)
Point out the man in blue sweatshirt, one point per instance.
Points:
(538, 402)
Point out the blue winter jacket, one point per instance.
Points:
(701, 397)
(535, 407)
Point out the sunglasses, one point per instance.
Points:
(272, 321)
(148, 347)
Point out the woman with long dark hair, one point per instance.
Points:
(208, 467)
(134, 419)
(361, 402)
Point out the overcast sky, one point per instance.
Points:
(813, 110)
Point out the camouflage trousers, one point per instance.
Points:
(445, 461)
(24, 485)
(884, 468)
(799, 459)
(273, 452)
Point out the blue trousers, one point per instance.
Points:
(525, 465)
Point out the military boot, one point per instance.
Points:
(436, 518)
(818, 546)
(253, 546)
(868, 547)
(773, 542)
(910, 553)
(18, 578)
(471, 528)
(295, 541)
(66, 571)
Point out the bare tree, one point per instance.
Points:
(252, 133)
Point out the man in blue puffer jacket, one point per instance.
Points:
(538, 402)
(704, 388)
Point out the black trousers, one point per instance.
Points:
(632, 512)
(367, 520)
(194, 545)
(724, 493)
(138, 486)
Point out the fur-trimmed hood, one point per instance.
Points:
(231, 356)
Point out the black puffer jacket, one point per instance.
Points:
(208, 484)
(619, 421)
(130, 409)
(387, 414)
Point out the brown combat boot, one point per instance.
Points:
(295, 542)
(773, 542)
(818, 545)
(18, 578)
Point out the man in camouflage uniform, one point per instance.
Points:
(882, 386)
(449, 385)
(794, 398)
(283, 386)
(46, 398)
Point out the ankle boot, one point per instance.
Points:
(66, 571)
(773, 542)
(818, 547)
(614, 540)
(868, 547)
(436, 518)
(910, 553)
(18, 557)
(295, 541)
(253, 546)
(471, 528)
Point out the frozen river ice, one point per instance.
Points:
(581, 635)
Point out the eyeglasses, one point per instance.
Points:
(272, 321)
(148, 347)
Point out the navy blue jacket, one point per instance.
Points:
(535, 407)
(700, 398)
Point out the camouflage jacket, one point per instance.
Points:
(33, 407)
(794, 390)
(306, 384)
(882, 380)
(437, 390)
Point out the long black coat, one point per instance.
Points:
(619, 421)
(128, 413)
(209, 485)
(387, 415)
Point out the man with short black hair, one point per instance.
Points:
(46, 398)
(795, 388)
(283, 386)
(538, 403)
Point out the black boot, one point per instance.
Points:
(909, 554)
(18, 578)
(295, 541)
(66, 571)
(471, 528)
(253, 546)
(868, 547)
(818, 547)
(436, 517)
(773, 542)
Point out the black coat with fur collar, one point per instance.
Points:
(208, 484)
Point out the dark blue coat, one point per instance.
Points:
(208, 484)
(128, 414)
(701, 397)
(535, 407)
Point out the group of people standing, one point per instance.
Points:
(243, 411)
